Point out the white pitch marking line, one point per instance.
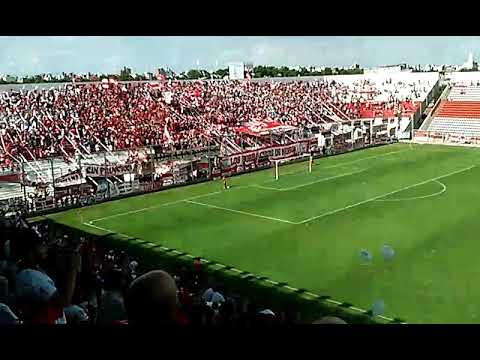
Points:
(444, 188)
(362, 159)
(240, 212)
(323, 180)
(164, 204)
(344, 163)
(383, 195)
(267, 187)
(106, 230)
(310, 183)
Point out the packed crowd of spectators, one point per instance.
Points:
(50, 277)
(86, 118)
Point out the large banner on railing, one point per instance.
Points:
(258, 128)
(73, 178)
(109, 170)
(262, 157)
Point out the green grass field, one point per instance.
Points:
(307, 229)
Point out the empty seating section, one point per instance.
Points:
(464, 93)
(459, 126)
(459, 114)
(459, 109)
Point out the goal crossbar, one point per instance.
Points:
(279, 161)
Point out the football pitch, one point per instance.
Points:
(307, 229)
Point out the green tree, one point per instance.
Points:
(221, 73)
(126, 74)
(194, 74)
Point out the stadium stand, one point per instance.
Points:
(458, 126)
(464, 93)
(458, 115)
(84, 119)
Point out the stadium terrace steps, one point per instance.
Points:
(465, 93)
(460, 126)
(459, 109)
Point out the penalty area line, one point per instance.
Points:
(240, 212)
(164, 204)
(444, 188)
(383, 195)
(310, 183)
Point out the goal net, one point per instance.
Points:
(279, 162)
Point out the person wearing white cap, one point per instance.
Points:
(37, 295)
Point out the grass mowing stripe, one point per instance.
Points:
(240, 212)
(383, 195)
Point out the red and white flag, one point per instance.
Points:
(166, 133)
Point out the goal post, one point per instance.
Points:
(279, 162)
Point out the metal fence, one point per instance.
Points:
(53, 184)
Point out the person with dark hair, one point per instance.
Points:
(152, 299)
(265, 317)
(112, 307)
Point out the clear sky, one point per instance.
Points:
(31, 55)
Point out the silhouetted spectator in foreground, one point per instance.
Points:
(112, 308)
(7, 317)
(329, 320)
(152, 299)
